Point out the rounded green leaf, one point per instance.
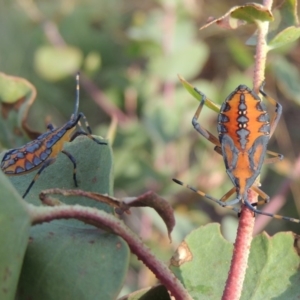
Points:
(55, 63)
(14, 232)
(70, 263)
(188, 60)
(94, 173)
(273, 268)
(68, 259)
(14, 88)
(202, 263)
(92, 62)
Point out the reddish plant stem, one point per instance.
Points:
(261, 50)
(99, 219)
(239, 262)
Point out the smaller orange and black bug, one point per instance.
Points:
(40, 153)
(244, 129)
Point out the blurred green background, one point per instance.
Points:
(129, 54)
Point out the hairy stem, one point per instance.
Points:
(241, 251)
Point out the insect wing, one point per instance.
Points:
(26, 158)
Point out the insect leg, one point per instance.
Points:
(73, 160)
(263, 195)
(87, 125)
(82, 132)
(218, 149)
(257, 211)
(221, 202)
(50, 127)
(209, 136)
(228, 194)
(47, 163)
(276, 157)
(278, 109)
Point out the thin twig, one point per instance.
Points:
(102, 100)
(168, 29)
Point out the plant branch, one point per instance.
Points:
(102, 219)
(261, 50)
(239, 262)
(148, 199)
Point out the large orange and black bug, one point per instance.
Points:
(40, 153)
(244, 129)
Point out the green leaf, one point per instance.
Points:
(288, 29)
(55, 63)
(210, 104)
(64, 253)
(14, 88)
(288, 35)
(196, 259)
(16, 97)
(92, 62)
(188, 60)
(14, 232)
(272, 267)
(240, 53)
(288, 78)
(94, 173)
(238, 15)
(288, 14)
(252, 12)
(70, 263)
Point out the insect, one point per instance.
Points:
(42, 152)
(244, 129)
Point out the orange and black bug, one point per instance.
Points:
(40, 153)
(244, 129)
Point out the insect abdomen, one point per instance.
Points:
(32, 155)
(25, 159)
(243, 117)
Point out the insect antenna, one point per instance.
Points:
(77, 96)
